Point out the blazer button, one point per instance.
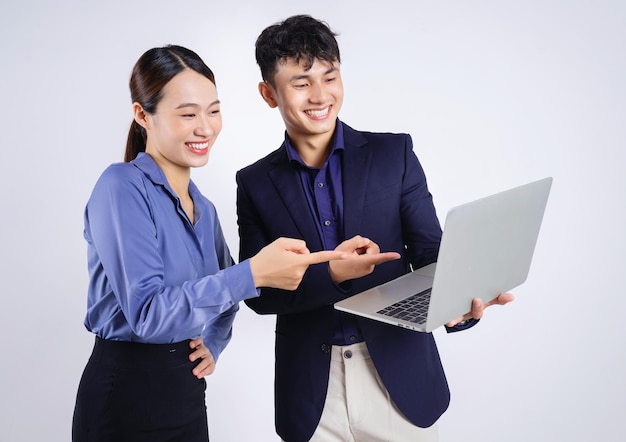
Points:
(325, 348)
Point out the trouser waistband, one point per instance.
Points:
(133, 354)
(352, 351)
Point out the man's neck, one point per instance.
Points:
(312, 149)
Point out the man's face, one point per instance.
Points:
(308, 100)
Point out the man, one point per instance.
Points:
(340, 377)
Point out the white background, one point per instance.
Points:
(495, 94)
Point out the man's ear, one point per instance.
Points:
(141, 116)
(267, 93)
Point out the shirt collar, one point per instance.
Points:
(336, 144)
(151, 169)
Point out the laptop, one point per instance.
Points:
(486, 249)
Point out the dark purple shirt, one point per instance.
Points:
(324, 194)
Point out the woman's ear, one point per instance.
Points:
(267, 93)
(141, 116)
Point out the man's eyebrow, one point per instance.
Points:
(182, 105)
(299, 77)
(330, 70)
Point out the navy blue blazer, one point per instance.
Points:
(386, 199)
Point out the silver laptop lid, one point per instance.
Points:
(486, 249)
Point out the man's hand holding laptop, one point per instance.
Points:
(478, 308)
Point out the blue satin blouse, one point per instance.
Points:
(154, 276)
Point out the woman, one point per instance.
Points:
(163, 289)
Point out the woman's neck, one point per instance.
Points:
(178, 178)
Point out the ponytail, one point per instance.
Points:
(135, 143)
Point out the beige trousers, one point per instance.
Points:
(358, 407)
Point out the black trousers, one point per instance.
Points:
(140, 392)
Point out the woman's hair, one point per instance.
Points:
(299, 37)
(154, 69)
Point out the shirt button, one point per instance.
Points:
(347, 354)
(320, 185)
(327, 223)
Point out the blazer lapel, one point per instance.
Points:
(356, 167)
(289, 187)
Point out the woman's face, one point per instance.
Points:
(186, 123)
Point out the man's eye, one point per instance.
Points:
(189, 115)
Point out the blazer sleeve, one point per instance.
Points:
(421, 228)
(421, 231)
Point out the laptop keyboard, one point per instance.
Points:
(412, 309)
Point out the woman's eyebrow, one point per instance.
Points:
(195, 104)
